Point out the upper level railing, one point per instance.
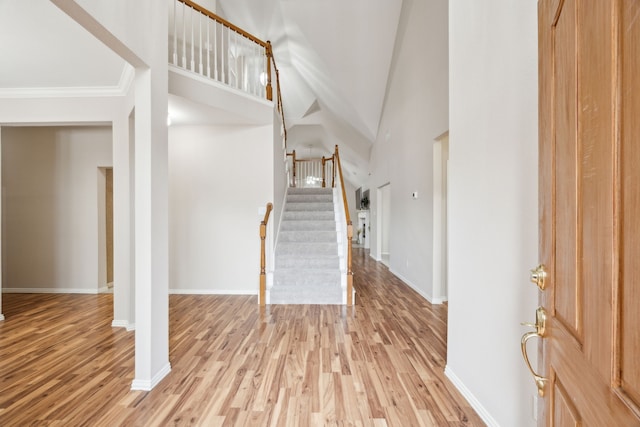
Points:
(316, 172)
(206, 44)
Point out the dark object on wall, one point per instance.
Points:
(364, 202)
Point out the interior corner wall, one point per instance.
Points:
(493, 212)
(414, 113)
(50, 209)
(219, 178)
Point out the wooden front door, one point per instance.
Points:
(590, 211)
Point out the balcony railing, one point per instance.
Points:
(206, 44)
(319, 172)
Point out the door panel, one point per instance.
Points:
(568, 296)
(629, 334)
(564, 413)
(590, 211)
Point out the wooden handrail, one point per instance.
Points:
(336, 156)
(263, 273)
(224, 22)
(278, 91)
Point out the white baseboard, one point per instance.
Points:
(210, 292)
(1, 317)
(475, 403)
(414, 287)
(123, 324)
(148, 385)
(49, 291)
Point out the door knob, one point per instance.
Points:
(540, 331)
(538, 276)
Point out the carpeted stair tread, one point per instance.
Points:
(294, 278)
(309, 206)
(307, 248)
(304, 261)
(310, 198)
(309, 190)
(308, 236)
(308, 216)
(308, 225)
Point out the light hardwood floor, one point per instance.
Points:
(379, 363)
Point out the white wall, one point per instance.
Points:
(219, 178)
(492, 203)
(50, 216)
(280, 183)
(415, 112)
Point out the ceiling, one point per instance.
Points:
(35, 40)
(334, 58)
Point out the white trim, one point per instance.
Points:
(196, 76)
(466, 393)
(60, 92)
(126, 78)
(211, 292)
(1, 317)
(124, 83)
(415, 288)
(49, 291)
(120, 324)
(148, 385)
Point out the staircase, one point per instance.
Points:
(307, 263)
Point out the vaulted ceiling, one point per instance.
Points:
(334, 58)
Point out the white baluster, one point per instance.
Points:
(193, 46)
(237, 61)
(264, 70)
(255, 70)
(184, 36)
(243, 65)
(200, 48)
(208, 50)
(230, 59)
(215, 50)
(223, 53)
(175, 33)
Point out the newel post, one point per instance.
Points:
(324, 182)
(269, 53)
(263, 274)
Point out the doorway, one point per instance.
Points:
(383, 253)
(440, 262)
(105, 233)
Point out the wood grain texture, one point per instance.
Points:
(589, 189)
(379, 363)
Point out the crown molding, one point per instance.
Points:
(124, 84)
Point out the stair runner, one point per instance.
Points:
(307, 267)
